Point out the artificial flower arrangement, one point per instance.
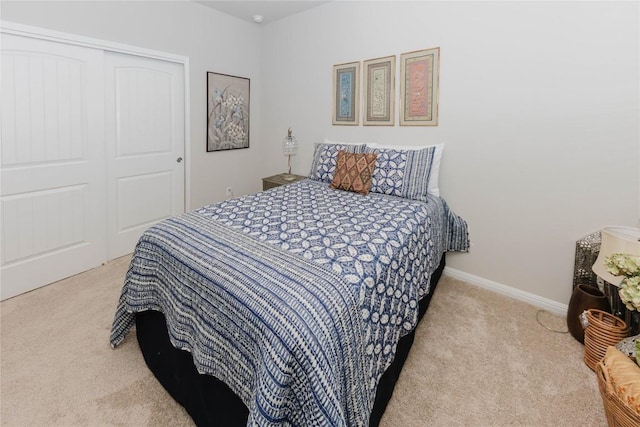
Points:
(629, 267)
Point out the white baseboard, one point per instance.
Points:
(535, 300)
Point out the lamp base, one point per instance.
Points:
(288, 177)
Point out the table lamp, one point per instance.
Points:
(289, 148)
(616, 239)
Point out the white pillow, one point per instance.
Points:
(435, 167)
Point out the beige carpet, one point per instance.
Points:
(479, 360)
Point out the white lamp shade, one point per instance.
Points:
(290, 146)
(616, 240)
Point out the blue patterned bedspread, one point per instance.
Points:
(295, 297)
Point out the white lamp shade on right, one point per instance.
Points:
(290, 145)
(616, 240)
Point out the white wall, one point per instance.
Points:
(538, 107)
(538, 111)
(213, 41)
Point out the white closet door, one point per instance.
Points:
(52, 156)
(145, 146)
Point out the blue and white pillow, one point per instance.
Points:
(434, 177)
(325, 159)
(402, 173)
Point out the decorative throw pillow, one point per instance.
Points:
(624, 375)
(353, 171)
(434, 177)
(402, 173)
(325, 157)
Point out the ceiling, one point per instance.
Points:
(269, 10)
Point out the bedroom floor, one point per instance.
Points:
(479, 359)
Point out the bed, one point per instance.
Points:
(296, 305)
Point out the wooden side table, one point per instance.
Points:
(278, 180)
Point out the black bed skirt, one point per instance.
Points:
(209, 401)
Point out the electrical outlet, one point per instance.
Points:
(229, 192)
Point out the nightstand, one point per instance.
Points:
(278, 180)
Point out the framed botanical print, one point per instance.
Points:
(227, 112)
(346, 93)
(419, 81)
(379, 91)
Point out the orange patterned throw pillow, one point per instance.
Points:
(353, 171)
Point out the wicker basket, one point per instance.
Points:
(604, 329)
(617, 412)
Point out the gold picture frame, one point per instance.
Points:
(419, 87)
(346, 94)
(380, 91)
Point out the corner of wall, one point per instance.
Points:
(508, 291)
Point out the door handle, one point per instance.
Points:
(179, 159)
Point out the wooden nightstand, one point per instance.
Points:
(278, 180)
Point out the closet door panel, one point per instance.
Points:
(145, 146)
(52, 191)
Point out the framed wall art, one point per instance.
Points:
(419, 80)
(346, 93)
(379, 91)
(227, 112)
